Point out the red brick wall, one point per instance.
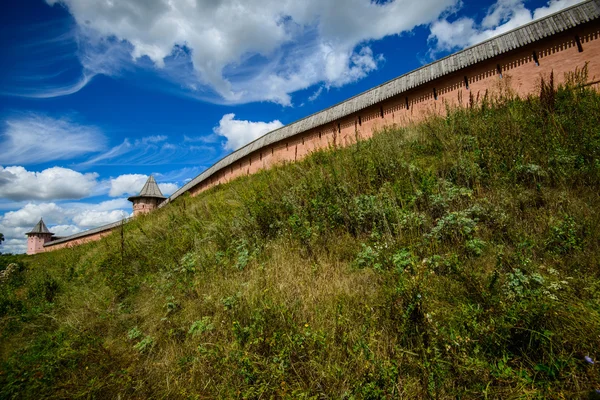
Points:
(80, 240)
(558, 54)
(517, 69)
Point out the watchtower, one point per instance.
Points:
(149, 198)
(37, 237)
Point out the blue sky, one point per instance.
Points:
(95, 95)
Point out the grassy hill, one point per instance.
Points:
(458, 258)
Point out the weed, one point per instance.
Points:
(457, 258)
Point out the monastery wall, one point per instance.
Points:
(520, 70)
(558, 44)
(79, 240)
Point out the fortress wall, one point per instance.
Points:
(80, 240)
(517, 70)
(558, 53)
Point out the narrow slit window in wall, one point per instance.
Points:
(435, 96)
(359, 120)
(407, 105)
(499, 69)
(302, 141)
(381, 111)
(579, 46)
(536, 60)
(271, 150)
(286, 146)
(339, 128)
(319, 135)
(261, 156)
(466, 82)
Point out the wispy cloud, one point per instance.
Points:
(45, 61)
(274, 49)
(152, 150)
(501, 17)
(35, 139)
(316, 94)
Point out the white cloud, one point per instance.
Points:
(128, 184)
(94, 218)
(168, 188)
(65, 230)
(30, 214)
(63, 220)
(503, 16)
(17, 183)
(238, 52)
(239, 132)
(35, 139)
(131, 184)
(316, 94)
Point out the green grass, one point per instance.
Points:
(458, 258)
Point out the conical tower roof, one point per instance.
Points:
(150, 189)
(40, 228)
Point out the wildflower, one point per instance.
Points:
(588, 360)
(306, 325)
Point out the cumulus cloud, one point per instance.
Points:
(17, 183)
(240, 132)
(502, 16)
(131, 184)
(65, 230)
(237, 52)
(128, 184)
(94, 218)
(62, 219)
(168, 188)
(35, 139)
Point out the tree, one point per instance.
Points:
(1, 239)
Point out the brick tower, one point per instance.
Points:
(149, 198)
(37, 237)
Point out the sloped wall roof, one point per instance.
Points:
(519, 37)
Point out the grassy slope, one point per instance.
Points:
(459, 257)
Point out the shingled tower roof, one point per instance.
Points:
(150, 189)
(39, 228)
